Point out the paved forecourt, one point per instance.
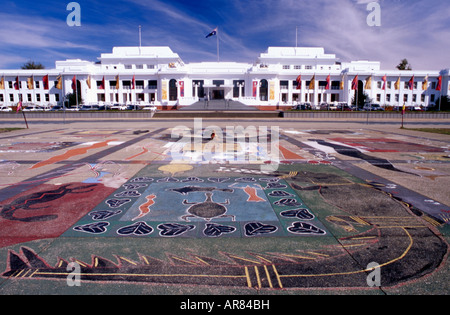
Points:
(261, 206)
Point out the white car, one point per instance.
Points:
(5, 109)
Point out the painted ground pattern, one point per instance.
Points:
(117, 203)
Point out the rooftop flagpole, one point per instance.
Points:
(218, 47)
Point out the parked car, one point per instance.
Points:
(303, 106)
(89, 107)
(5, 109)
(151, 108)
(373, 107)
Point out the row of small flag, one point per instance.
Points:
(368, 85)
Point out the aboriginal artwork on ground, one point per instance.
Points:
(310, 223)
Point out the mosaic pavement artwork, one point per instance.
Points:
(119, 207)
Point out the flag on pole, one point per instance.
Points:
(88, 82)
(59, 83)
(117, 82)
(102, 85)
(30, 83)
(368, 83)
(384, 82)
(45, 81)
(312, 84)
(328, 83)
(425, 84)
(411, 83)
(2, 83)
(19, 106)
(439, 84)
(17, 84)
(355, 83)
(397, 84)
(133, 83)
(404, 109)
(214, 32)
(341, 86)
(299, 82)
(74, 83)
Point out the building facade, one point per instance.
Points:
(282, 76)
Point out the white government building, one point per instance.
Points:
(282, 76)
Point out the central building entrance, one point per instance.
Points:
(218, 94)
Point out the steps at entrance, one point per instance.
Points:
(217, 109)
(218, 105)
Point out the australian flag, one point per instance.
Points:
(214, 32)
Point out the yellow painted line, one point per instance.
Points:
(268, 277)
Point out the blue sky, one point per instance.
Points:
(417, 30)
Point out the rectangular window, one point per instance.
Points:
(153, 84)
(38, 97)
(298, 67)
(47, 97)
(308, 67)
(286, 67)
(139, 67)
(128, 67)
(101, 97)
(57, 97)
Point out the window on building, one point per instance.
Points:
(140, 84)
(153, 84)
(422, 98)
(308, 67)
(47, 98)
(151, 67)
(378, 97)
(284, 85)
(101, 97)
(1, 98)
(238, 88)
(397, 98)
(414, 98)
(11, 97)
(126, 84)
(405, 98)
(298, 67)
(128, 67)
(286, 67)
(10, 84)
(388, 97)
(57, 97)
(29, 98)
(37, 84)
(38, 97)
(336, 85)
(139, 67)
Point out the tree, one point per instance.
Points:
(404, 65)
(31, 65)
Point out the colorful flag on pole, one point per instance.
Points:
(439, 84)
(19, 106)
(368, 83)
(328, 83)
(30, 83)
(341, 86)
(74, 83)
(17, 84)
(102, 85)
(117, 82)
(411, 83)
(214, 32)
(299, 82)
(397, 84)
(384, 82)
(45, 80)
(425, 84)
(2, 83)
(312, 84)
(59, 83)
(88, 81)
(133, 83)
(355, 83)
(404, 109)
